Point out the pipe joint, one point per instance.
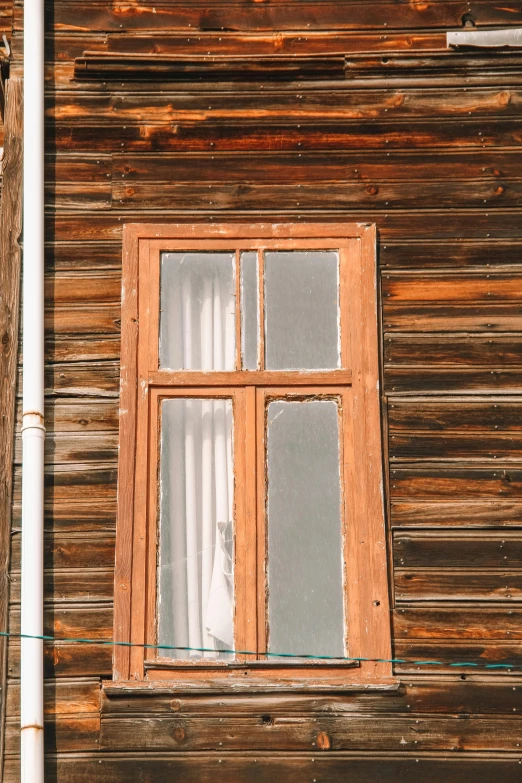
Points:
(32, 420)
(32, 726)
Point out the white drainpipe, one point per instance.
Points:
(33, 431)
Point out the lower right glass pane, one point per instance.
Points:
(305, 547)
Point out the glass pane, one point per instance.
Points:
(249, 311)
(197, 311)
(195, 566)
(302, 310)
(305, 574)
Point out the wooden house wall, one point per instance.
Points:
(436, 163)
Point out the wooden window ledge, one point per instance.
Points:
(241, 685)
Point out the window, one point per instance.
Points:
(250, 526)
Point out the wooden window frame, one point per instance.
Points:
(143, 385)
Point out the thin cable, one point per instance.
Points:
(112, 643)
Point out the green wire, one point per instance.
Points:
(112, 643)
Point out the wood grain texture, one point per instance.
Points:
(333, 102)
(444, 584)
(62, 734)
(111, 67)
(279, 166)
(438, 695)
(10, 271)
(456, 513)
(286, 135)
(457, 655)
(280, 734)
(71, 551)
(497, 550)
(292, 767)
(394, 225)
(423, 142)
(64, 660)
(95, 16)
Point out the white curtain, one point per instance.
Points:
(195, 580)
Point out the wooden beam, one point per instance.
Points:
(132, 67)
(10, 266)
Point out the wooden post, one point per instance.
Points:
(10, 266)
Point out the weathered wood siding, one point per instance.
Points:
(432, 154)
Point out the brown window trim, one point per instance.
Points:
(142, 385)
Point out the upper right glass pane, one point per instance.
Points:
(301, 293)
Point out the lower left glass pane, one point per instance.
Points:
(196, 531)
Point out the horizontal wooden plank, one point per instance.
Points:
(456, 415)
(94, 379)
(69, 46)
(431, 584)
(285, 42)
(75, 585)
(67, 660)
(428, 364)
(218, 768)
(440, 288)
(93, 622)
(95, 319)
(77, 168)
(66, 289)
(76, 255)
(63, 734)
(447, 380)
(293, 167)
(451, 483)
(344, 15)
(265, 136)
(458, 622)
(459, 656)
(61, 698)
(437, 695)
(408, 64)
(264, 707)
(456, 513)
(73, 515)
(429, 446)
(469, 697)
(331, 733)
(504, 317)
(433, 225)
(453, 350)
(338, 195)
(74, 483)
(456, 252)
(458, 550)
(79, 195)
(69, 551)
(78, 415)
(82, 348)
(60, 76)
(67, 447)
(328, 105)
(97, 66)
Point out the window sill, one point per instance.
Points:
(246, 684)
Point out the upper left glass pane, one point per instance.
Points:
(197, 311)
